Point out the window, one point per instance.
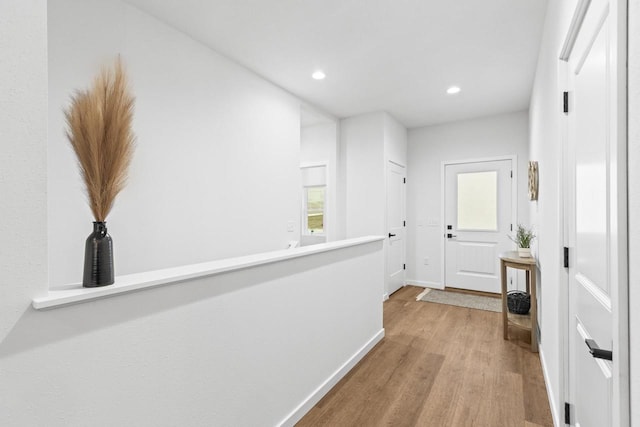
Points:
(314, 196)
(314, 203)
(478, 201)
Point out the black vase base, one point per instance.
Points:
(96, 285)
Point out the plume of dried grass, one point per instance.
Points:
(99, 130)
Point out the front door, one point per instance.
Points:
(478, 221)
(596, 220)
(396, 178)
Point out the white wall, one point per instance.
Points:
(319, 144)
(216, 169)
(23, 163)
(634, 204)
(244, 348)
(363, 141)
(368, 143)
(395, 141)
(428, 147)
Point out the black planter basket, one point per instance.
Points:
(518, 302)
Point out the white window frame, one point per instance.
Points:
(303, 228)
(305, 211)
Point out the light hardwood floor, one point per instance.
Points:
(439, 365)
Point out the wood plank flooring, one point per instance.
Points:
(439, 365)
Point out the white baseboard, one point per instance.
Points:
(555, 413)
(297, 414)
(385, 296)
(425, 284)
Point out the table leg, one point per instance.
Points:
(503, 282)
(534, 311)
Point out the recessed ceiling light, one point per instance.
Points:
(319, 75)
(453, 90)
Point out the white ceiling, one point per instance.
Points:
(398, 56)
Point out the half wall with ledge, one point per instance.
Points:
(256, 340)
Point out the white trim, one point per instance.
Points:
(595, 291)
(480, 160)
(576, 22)
(297, 414)
(134, 282)
(307, 165)
(385, 296)
(565, 201)
(514, 199)
(398, 164)
(555, 413)
(633, 182)
(425, 284)
(620, 215)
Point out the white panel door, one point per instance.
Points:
(396, 178)
(596, 222)
(478, 221)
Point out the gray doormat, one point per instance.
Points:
(462, 300)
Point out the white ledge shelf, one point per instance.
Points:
(73, 294)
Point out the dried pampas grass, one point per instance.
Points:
(99, 130)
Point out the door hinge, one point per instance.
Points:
(567, 413)
(510, 174)
(404, 266)
(510, 227)
(566, 257)
(565, 102)
(404, 180)
(404, 223)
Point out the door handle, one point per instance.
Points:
(449, 235)
(597, 352)
(391, 235)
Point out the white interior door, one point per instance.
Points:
(396, 178)
(478, 220)
(596, 221)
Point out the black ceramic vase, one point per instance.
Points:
(98, 258)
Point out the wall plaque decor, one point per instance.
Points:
(533, 180)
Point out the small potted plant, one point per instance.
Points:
(523, 239)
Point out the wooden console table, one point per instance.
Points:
(523, 321)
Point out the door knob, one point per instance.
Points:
(597, 352)
(391, 235)
(449, 235)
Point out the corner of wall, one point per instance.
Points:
(23, 165)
